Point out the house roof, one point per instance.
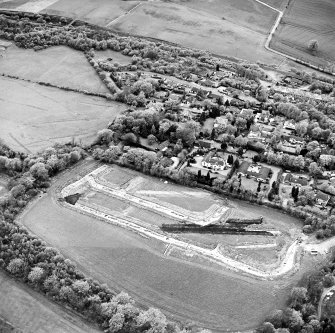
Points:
(205, 143)
(322, 196)
(296, 179)
(255, 170)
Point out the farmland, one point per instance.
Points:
(127, 261)
(31, 312)
(197, 28)
(303, 21)
(45, 115)
(60, 66)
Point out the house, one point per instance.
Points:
(221, 122)
(213, 162)
(299, 180)
(321, 199)
(252, 170)
(207, 144)
(289, 125)
(208, 83)
(215, 96)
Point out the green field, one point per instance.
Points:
(34, 117)
(210, 297)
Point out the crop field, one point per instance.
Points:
(126, 261)
(183, 289)
(247, 13)
(303, 21)
(99, 12)
(58, 65)
(193, 24)
(34, 117)
(31, 312)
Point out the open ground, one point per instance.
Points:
(184, 290)
(34, 117)
(31, 312)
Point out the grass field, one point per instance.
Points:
(31, 312)
(185, 291)
(58, 65)
(34, 117)
(305, 20)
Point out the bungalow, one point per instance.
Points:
(213, 162)
(257, 171)
(321, 199)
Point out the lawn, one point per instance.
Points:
(31, 312)
(34, 117)
(305, 20)
(59, 65)
(203, 29)
(209, 297)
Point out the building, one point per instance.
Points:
(206, 144)
(252, 170)
(221, 122)
(213, 162)
(321, 199)
(299, 180)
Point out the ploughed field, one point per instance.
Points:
(206, 294)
